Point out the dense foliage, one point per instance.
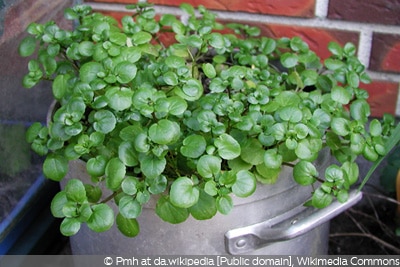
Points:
(214, 113)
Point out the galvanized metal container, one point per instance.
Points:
(272, 221)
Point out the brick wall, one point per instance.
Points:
(374, 26)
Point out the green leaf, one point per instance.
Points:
(172, 105)
(88, 71)
(321, 199)
(125, 71)
(352, 171)
(340, 126)
(55, 167)
(93, 193)
(105, 121)
(224, 204)
(334, 64)
(129, 207)
(209, 166)
(86, 48)
(267, 175)
(335, 49)
(209, 70)
(127, 154)
(183, 193)
(128, 227)
(272, 159)
(175, 62)
(70, 226)
(308, 149)
(27, 46)
(164, 132)
(101, 219)
(171, 78)
(375, 128)
(360, 110)
(75, 191)
(205, 208)
(341, 95)
(291, 114)
(192, 90)
(305, 173)
(60, 85)
(119, 98)
(245, 184)
(96, 166)
(152, 166)
(193, 146)
(217, 40)
(129, 185)
(141, 38)
(170, 213)
(57, 204)
(228, 147)
(252, 152)
(115, 172)
(289, 60)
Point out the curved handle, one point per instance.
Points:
(286, 226)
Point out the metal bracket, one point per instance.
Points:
(288, 225)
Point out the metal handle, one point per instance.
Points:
(286, 226)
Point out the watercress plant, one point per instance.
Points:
(216, 112)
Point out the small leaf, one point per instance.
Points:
(272, 159)
(193, 146)
(183, 193)
(75, 191)
(305, 173)
(128, 227)
(164, 132)
(170, 213)
(125, 71)
(115, 172)
(289, 60)
(105, 121)
(205, 208)
(152, 166)
(70, 226)
(55, 167)
(209, 166)
(228, 147)
(224, 204)
(141, 38)
(57, 204)
(245, 184)
(27, 46)
(340, 126)
(129, 207)
(209, 70)
(101, 219)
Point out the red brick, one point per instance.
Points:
(382, 97)
(385, 54)
(295, 8)
(372, 11)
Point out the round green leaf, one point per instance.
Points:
(27, 46)
(170, 213)
(252, 152)
(205, 208)
(291, 114)
(228, 147)
(93, 193)
(105, 121)
(305, 173)
(183, 193)
(193, 146)
(171, 78)
(129, 207)
(192, 89)
(272, 159)
(55, 167)
(129, 185)
(175, 62)
(209, 166)
(289, 60)
(102, 218)
(119, 98)
(57, 204)
(321, 199)
(340, 126)
(375, 128)
(341, 95)
(152, 166)
(125, 71)
(96, 166)
(70, 226)
(245, 184)
(88, 71)
(141, 38)
(209, 70)
(75, 191)
(128, 227)
(164, 132)
(224, 204)
(127, 154)
(115, 172)
(86, 48)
